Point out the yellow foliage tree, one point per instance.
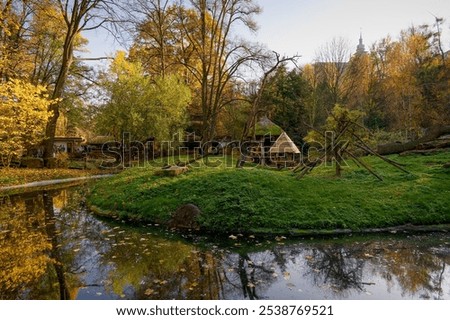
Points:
(23, 116)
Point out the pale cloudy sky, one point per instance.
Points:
(303, 26)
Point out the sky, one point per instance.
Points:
(302, 26)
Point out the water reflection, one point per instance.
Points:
(52, 248)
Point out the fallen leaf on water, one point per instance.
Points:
(286, 275)
(149, 292)
(250, 285)
(290, 285)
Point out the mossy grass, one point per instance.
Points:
(260, 200)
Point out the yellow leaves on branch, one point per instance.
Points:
(24, 112)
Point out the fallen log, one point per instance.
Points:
(431, 134)
(427, 152)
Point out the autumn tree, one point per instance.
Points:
(14, 21)
(78, 16)
(209, 35)
(198, 40)
(23, 116)
(356, 85)
(315, 113)
(410, 81)
(45, 44)
(331, 64)
(155, 41)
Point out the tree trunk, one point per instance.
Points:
(431, 134)
(66, 63)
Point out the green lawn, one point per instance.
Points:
(254, 199)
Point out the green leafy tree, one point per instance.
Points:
(339, 134)
(284, 97)
(140, 105)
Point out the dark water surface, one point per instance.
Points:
(51, 247)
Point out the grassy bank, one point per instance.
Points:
(258, 200)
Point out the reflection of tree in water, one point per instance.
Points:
(40, 247)
(339, 267)
(50, 248)
(55, 250)
(176, 270)
(415, 266)
(248, 275)
(418, 270)
(149, 267)
(23, 247)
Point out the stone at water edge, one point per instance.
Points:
(185, 217)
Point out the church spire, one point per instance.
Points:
(361, 48)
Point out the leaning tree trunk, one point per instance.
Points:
(67, 60)
(431, 134)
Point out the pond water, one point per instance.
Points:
(52, 247)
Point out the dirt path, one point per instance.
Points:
(52, 182)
